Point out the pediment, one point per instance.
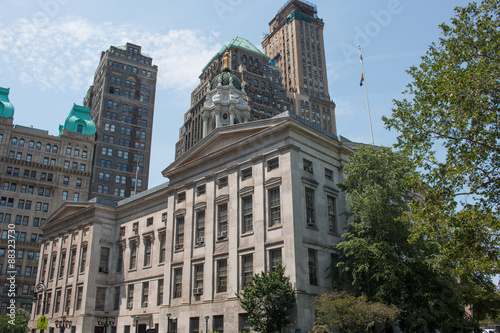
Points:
(67, 209)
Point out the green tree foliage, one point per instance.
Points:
(450, 128)
(268, 299)
(376, 259)
(17, 323)
(344, 313)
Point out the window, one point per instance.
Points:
(83, 260)
(57, 301)
(62, 264)
(104, 260)
(145, 294)
(223, 182)
(100, 298)
(246, 174)
(130, 296)
(273, 164)
(194, 325)
(222, 275)
(247, 269)
(179, 233)
(162, 239)
(313, 267)
(149, 221)
(307, 165)
(201, 190)
(133, 255)
(159, 294)
(218, 324)
(181, 197)
(72, 261)
(275, 258)
(222, 221)
(247, 214)
(200, 227)
(310, 215)
(274, 207)
(198, 280)
(147, 251)
(117, 298)
(328, 174)
(332, 217)
(177, 282)
(119, 259)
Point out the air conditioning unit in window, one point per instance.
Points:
(178, 246)
(130, 305)
(221, 235)
(197, 291)
(145, 304)
(310, 169)
(310, 223)
(103, 269)
(200, 240)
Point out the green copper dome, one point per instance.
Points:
(79, 121)
(6, 107)
(224, 80)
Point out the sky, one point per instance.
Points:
(49, 50)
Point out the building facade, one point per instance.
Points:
(121, 102)
(38, 172)
(247, 197)
(296, 44)
(260, 79)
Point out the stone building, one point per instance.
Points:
(38, 172)
(121, 102)
(247, 197)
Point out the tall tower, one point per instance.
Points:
(121, 102)
(295, 43)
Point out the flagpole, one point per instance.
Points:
(366, 93)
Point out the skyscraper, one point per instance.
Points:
(260, 80)
(121, 103)
(295, 43)
(38, 172)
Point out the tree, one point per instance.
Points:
(375, 258)
(17, 323)
(450, 129)
(344, 313)
(268, 299)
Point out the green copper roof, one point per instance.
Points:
(79, 121)
(238, 42)
(299, 16)
(6, 107)
(224, 78)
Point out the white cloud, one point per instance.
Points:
(64, 52)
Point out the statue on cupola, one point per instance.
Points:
(226, 102)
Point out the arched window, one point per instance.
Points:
(54, 149)
(13, 141)
(48, 148)
(244, 59)
(38, 146)
(31, 145)
(21, 142)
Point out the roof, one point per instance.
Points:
(240, 43)
(6, 107)
(79, 115)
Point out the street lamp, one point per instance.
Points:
(136, 324)
(63, 324)
(106, 321)
(168, 322)
(40, 288)
(206, 323)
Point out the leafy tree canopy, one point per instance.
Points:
(16, 323)
(450, 128)
(268, 299)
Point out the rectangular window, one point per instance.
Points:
(275, 258)
(247, 214)
(100, 298)
(310, 215)
(145, 294)
(201, 190)
(57, 301)
(273, 164)
(313, 267)
(130, 296)
(162, 238)
(159, 294)
(247, 269)
(119, 259)
(200, 227)
(72, 261)
(222, 221)
(194, 325)
(246, 174)
(179, 233)
(52, 266)
(307, 165)
(198, 280)
(274, 207)
(147, 252)
(328, 174)
(104, 260)
(79, 297)
(222, 275)
(332, 217)
(133, 255)
(223, 182)
(83, 260)
(177, 282)
(117, 298)
(218, 324)
(62, 264)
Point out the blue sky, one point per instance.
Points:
(49, 50)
